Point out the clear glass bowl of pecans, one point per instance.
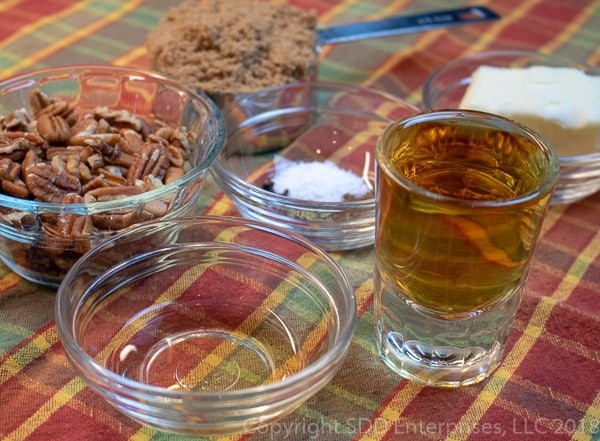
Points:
(300, 157)
(87, 151)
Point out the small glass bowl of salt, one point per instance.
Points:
(300, 157)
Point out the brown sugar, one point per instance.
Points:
(234, 46)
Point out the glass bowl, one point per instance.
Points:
(444, 88)
(301, 157)
(42, 236)
(206, 325)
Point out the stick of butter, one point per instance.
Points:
(562, 104)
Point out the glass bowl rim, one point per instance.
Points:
(105, 377)
(213, 148)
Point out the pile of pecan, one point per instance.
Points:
(56, 154)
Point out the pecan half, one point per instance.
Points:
(31, 158)
(114, 221)
(95, 161)
(176, 156)
(39, 100)
(54, 128)
(74, 225)
(71, 164)
(152, 160)
(111, 176)
(59, 108)
(16, 188)
(154, 209)
(85, 174)
(173, 173)
(131, 141)
(112, 193)
(9, 169)
(49, 183)
(93, 183)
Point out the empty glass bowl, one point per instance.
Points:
(301, 157)
(579, 174)
(206, 325)
(40, 239)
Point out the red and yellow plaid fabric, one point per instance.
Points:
(548, 386)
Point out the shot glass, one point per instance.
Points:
(461, 196)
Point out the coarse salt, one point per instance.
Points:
(321, 181)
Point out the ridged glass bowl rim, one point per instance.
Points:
(236, 184)
(217, 122)
(344, 326)
(553, 59)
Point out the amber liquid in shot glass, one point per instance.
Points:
(460, 201)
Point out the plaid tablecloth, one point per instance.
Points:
(548, 386)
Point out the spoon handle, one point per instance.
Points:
(404, 24)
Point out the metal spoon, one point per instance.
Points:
(404, 24)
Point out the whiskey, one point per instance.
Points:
(445, 247)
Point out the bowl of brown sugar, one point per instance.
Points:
(226, 49)
(88, 151)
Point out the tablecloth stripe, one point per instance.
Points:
(346, 11)
(144, 434)
(9, 281)
(566, 33)
(37, 346)
(394, 405)
(580, 349)
(134, 57)
(54, 403)
(589, 423)
(575, 273)
(70, 35)
(509, 16)
(511, 362)
(519, 409)
(19, 12)
(11, 334)
(337, 8)
(15, 360)
(7, 5)
(531, 376)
